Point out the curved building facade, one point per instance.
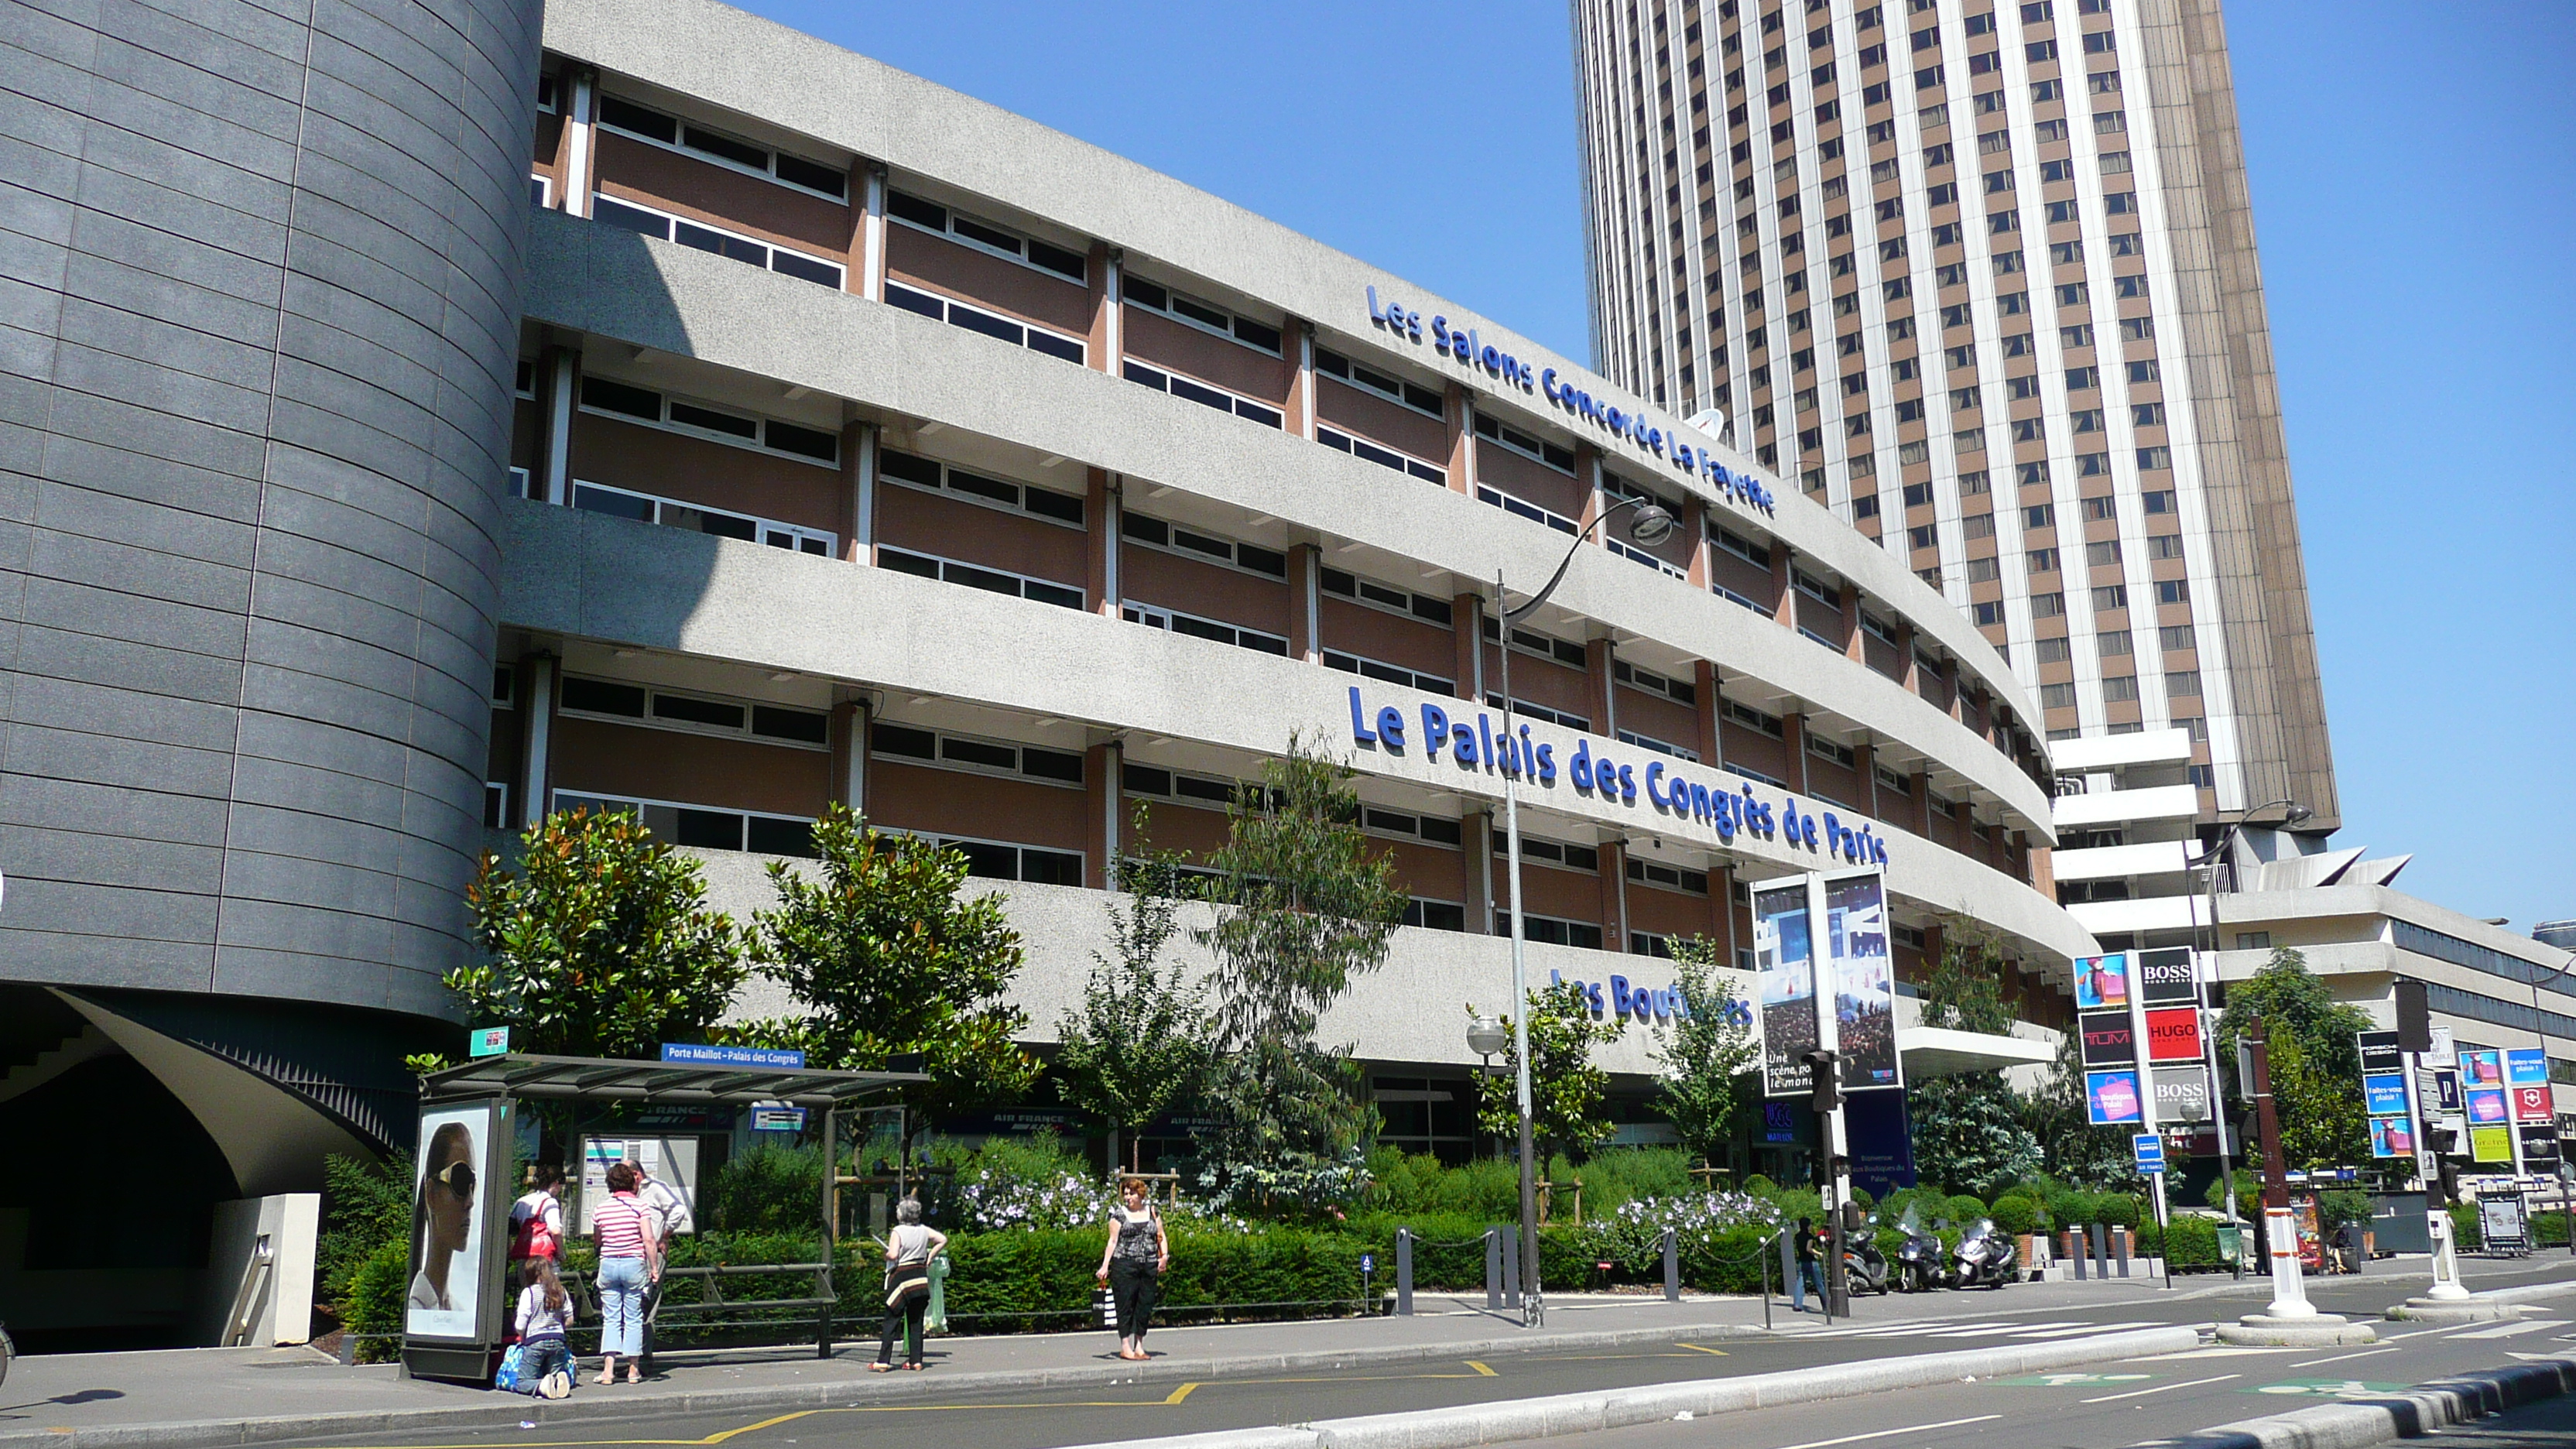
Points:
(877, 445)
(264, 292)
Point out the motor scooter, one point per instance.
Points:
(1984, 1258)
(1864, 1266)
(1918, 1260)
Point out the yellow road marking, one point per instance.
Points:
(763, 1424)
(1482, 1370)
(1180, 1393)
(1695, 1348)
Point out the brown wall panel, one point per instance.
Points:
(907, 796)
(600, 757)
(994, 283)
(1500, 467)
(1657, 717)
(1568, 895)
(696, 470)
(1343, 406)
(925, 522)
(1666, 913)
(1190, 830)
(1375, 634)
(1154, 338)
(1542, 681)
(633, 171)
(1210, 591)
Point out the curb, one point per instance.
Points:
(490, 1411)
(2428, 1408)
(1586, 1413)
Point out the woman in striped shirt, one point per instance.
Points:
(630, 1259)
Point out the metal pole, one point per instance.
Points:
(1493, 1269)
(2209, 1055)
(1404, 1272)
(1533, 1310)
(1672, 1267)
(831, 1234)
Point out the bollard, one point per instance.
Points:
(2101, 1237)
(1672, 1267)
(1765, 1260)
(2083, 1249)
(1404, 1271)
(1511, 1269)
(2119, 1247)
(1493, 1269)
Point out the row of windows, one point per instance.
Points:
(985, 236)
(1202, 394)
(1362, 448)
(708, 420)
(1425, 607)
(971, 753)
(2425, 941)
(1206, 316)
(693, 713)
(663, 226)
(643, 123)
(1027, 497)
(1173, 537)
(701, 827)
(990, 324)
(672, 513)
(1425, 400)
(977, 576)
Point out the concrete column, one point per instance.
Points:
(1793, 733)
(1908, 661)
(1598, 656)
(859, 493)
(1467, 612)
(1784, 592)
(1306, 612)
(1695, 519)
(850, 720)
(1721, 905)
(1458, 412)
(1101, 773)
(581, 142)
(1950, 685)
(1712, 713)
(1854, 646)
(1614, 895)
(1922, 802)
(1108, 329)
(1101, 509)
(854, 252)
(872, 225)
(537, 676)
(562, 387)
(1476, 832)
(1596, 498)
(1305, 390)
(1865, 756)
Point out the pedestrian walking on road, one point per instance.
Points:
(1811, 1267)
(630, 1261)
(1132, 1264)
(544, 1316)
(536, 1220)
(909, 1249)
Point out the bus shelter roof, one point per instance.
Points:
(603, 1079)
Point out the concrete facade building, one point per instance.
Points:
(691, 418)
(1980, 276)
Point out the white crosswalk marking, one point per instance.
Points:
(2005, 1328)
(2509, 1330)
(2083, 1328)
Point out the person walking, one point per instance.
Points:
(1811, 1267)
(630, 1261)
(536, 1220)
(1132, 1263)
(543, 1318)
(668, 1216)
(909, 1249)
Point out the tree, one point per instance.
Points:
(2076, 1151)
(887, 962)
(601, 945)
(1968, 1129)
(1704, 1050)
(1565, 1087)
(1304, 907)
(1135, 1047)
(2315, 1059)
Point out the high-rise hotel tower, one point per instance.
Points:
(1980, 275)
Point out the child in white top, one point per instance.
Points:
(544, 1315)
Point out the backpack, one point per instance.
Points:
(531, 1236)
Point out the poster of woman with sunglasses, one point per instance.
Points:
(448, 1235)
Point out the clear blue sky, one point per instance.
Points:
(2414, 178)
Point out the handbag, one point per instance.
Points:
(513, 1359)
(1104, 1308)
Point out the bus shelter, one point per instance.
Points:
(456, 1311)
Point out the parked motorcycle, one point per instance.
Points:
(1918, 1261)
(1864, 1266)
(1984, 1258)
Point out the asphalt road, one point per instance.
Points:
(2106, 1405)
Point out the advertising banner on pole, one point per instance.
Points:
(1784, 964)
(2380, 1052)
(2182, 1093)
(460, 1183)
(2173, 1034)
(2108, 1038)
(2532, 1105)
(1864, 980)
(2112, 1097)
(2384, 1096)
(2168, 977)
(2392, 1137)
(2102, 982)
(2481, 1067)
(2491, 1144)
(2487, 1107)
(2540, 1148)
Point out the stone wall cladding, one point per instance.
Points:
(260, 276)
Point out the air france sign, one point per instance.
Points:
(1727, 811)
(1467, 347)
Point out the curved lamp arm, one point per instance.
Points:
(1649, 510)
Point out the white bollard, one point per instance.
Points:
(2281, 1240)
(2446, 1258)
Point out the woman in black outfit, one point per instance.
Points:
(1131, 1262)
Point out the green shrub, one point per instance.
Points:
(2118, 1209)
(769, 1189)
(1963, 1210)
(2335, 1209)
(365, 1205)
(2191, 1244)
(2015, 1214)
(377, 1289)
(2465, 1232)
(1760, 1186)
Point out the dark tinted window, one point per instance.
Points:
(781, 837)
(894, 739)
(709, 829)
(790, 724)
(596, 696)
(917, 211)
(628, 116)
(909, 468)
(1051, 765)
(812, 443)
(617, 397)
(697, 711)
(829, 180)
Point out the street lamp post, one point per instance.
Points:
(1649, 525)
(2540, 1029)
(2209, 1048)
